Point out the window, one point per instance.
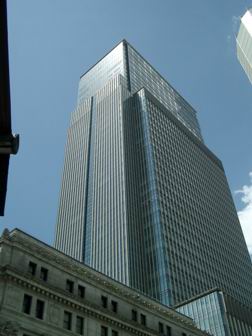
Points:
(32, 268)
(168, 331)
(69, 286)
(114, 333)
(79, 325)
(43, 274)
(27, 302)
(104, 331)
(81, 291)
(160, 328)
(143, 319)
(104, 301)
(134, 315)
(40, 309)
(114, 306)
(67, 322)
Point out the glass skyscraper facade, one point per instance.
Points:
(143, 199)
(126, 61)
(218, 313)
(208, 312)
(244, 43)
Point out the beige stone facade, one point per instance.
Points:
(44, 292)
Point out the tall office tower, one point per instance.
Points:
(143, 199)
(244, 43)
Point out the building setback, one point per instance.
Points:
(143, 199)
(218, 313)
(44, 292)
(244, 43)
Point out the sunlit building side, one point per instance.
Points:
(244, 43)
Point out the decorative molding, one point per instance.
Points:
(9, 328)
(87, 308)
(67, 264)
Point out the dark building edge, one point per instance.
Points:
(88, 172)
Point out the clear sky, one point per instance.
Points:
(52, 42)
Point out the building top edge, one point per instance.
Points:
(246, 20)
(196, 297)
(125, 41)
(249, 10)
(100, 59)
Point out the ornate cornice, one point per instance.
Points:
(69, 265)
(86, 308)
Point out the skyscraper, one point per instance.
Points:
(143, 199)
(244, 43)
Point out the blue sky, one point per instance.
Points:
(52, 42)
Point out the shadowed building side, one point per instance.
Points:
(9, 143)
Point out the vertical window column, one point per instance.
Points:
(27, 303)
(32, 268)
(43, 274)
(79, 325)
(104, 331)
(69, 286)
(40, 309)
(67, 321)
(134, 315)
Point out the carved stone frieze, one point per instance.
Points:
(58, 259)
(8, 328)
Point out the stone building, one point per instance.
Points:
(45, 292)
